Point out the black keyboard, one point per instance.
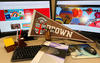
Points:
(25, 53)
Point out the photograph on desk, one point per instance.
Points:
(54, 53)
(40, 23)
(83, 51)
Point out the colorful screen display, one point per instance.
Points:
(79, 15)
(18, 14)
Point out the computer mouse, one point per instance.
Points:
(90, 50)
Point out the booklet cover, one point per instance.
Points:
(78, 51)
(51, 54)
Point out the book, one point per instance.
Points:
(79, 52)
(51, 54)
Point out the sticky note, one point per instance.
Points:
(8, 42)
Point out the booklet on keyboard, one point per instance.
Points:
(50, 55)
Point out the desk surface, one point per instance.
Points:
(6, 57)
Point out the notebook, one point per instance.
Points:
(50, 55)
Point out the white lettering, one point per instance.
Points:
(49, 26)
(53, 27)
(57, 30)
(62, 32)
(69, 34)
(42, 18)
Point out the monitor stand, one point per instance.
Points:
(25, 36)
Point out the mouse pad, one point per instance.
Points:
(77, 51)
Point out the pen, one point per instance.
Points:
(20, 34)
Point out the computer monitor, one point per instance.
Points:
(79, 15)
(16, 15)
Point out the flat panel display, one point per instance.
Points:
(79, 15)
(16, 15)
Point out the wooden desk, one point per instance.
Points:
(6, 57)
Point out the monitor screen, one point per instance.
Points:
(79, 15)
(15, 15)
